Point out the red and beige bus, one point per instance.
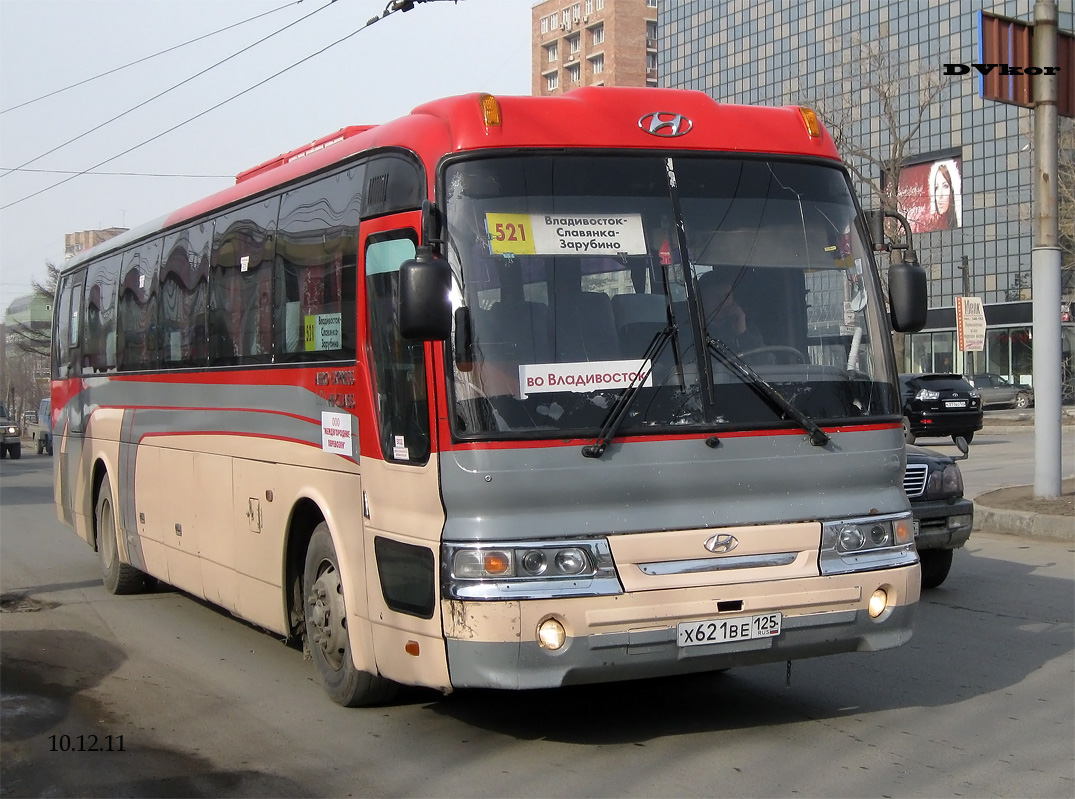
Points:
(511, 392)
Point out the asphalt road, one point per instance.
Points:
(980, 703)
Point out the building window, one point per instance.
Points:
(576, 12)
(589, 7)
(598, 35)
(600, 4)
(651, 62)
(651, 3)
(598, 64)
(544, 24)
(651, 31)
(573, 73)
(565, 17)
(552, 82)
(552, 52)
(574, 44)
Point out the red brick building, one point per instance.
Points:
(593, 43)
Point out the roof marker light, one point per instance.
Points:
(813, 127)
(490, 109)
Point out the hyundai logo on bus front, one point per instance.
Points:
(721, 543)
(666, 124)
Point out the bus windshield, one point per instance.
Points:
(581, 277)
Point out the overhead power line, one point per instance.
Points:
(169, 89)
(112, 174)
(148, 57)
(393, 6)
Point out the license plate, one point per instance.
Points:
(724, 631)
(955, 403)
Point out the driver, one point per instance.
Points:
(725, 318)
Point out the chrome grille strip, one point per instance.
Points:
(914, 479)
(718, 564)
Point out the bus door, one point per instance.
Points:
(402, 510)
(66, 394)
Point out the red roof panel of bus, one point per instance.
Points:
(589, 117)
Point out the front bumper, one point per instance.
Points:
(943, 523)
(632, 636)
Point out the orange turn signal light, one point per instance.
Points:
(496, 563)
(490, 109)
(813, 126)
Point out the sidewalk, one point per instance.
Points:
(1015, 510)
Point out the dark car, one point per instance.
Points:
(939, 405)
(997, 390)
(943, 517)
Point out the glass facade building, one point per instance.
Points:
(867, 66)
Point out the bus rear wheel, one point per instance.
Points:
(118, 577)
(326, 629)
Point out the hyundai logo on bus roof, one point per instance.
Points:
(665, 123)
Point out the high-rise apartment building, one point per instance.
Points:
(878, 69)
(593, 43)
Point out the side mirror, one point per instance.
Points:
(907, 295)
(425, 311)
(963, 447)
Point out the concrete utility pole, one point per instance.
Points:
(1045, 258)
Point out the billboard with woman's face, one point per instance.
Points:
(930, 194)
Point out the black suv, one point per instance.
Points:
(943, 517)
(939, 405)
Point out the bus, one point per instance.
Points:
(445, 400)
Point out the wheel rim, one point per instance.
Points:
(327, 615)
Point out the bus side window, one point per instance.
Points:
(68, 344)
(184, 292)
(240, 284)
(315, 291)
(399, 367)
(99, 320)
(138, 346)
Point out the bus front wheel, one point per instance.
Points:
(326, 629)
(119, 577)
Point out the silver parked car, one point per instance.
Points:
(998, 391)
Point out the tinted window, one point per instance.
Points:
(393, 183)
(316, 269)
(68, 328)
(240, 285)
(138, 345)
(184, 292)
(99, 342)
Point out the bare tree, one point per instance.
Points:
(36, 339)
(884, 87)
(1065, 189)
(879, 84)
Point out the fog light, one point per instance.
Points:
(551, 634)
(571, 561)
(878, 603)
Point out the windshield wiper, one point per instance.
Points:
(818, 437)
(623, 403)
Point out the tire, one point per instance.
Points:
(908, 436)
(1022, 401)
(48, 446)
(119, 578)
(325, 617)
(968, 436)
(15, 451)
(936, 564)
(40, 442)
(3, 451)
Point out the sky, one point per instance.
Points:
(437, 49)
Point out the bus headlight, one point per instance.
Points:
(865, 544)
(529, 569)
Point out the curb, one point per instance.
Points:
(1022, 523)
